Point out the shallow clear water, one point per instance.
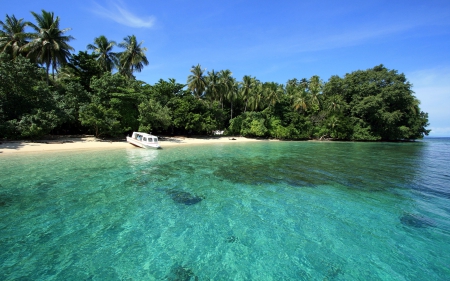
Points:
(253, 211)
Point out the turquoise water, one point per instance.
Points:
(253, 211)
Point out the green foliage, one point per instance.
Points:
(254, 128)
(372, 105)
(133, 58)
(105, 57)
(81, 68)
(339, 127)
(217, 115)
(8, 129)
(363, 132)
(38, 123)
(49, 46)
(27, 105)
(104, 86)
(228, 88)
(153, 116)
(277, 130)
(13, 36)
(235, 125)
(281, 122)
(103, 121)
(249, 124)
(17, 86)
(191, 115)
(196, 81)
(71, 97)
(120, 95)
(273, 92)
(382, 105)
(213, 87)
(163, 91)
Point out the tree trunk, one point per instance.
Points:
(231, 109)
(47, 69)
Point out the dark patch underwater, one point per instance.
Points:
(416, 221)
(183, 197)
(181, 273)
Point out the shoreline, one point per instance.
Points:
(92, 143)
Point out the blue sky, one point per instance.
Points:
(274, 41)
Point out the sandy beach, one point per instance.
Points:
(86, 143)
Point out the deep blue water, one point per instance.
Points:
(253, 211)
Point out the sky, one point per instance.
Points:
(273, 40)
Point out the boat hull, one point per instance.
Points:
(138, 143)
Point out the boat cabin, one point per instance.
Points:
(143, 137)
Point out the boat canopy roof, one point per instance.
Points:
(144, 135)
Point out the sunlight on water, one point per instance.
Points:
(260, 211)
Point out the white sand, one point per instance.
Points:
(96, 144)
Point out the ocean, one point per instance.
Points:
(237, 211)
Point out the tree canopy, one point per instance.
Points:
(97, 93)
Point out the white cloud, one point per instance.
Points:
(359, 36)
(305, 42)
(117, 12)
(432, 88)
(440, 131)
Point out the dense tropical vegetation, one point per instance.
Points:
(97, 93)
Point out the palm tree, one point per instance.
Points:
(304, 83)
(103, 49)
(333, 124)
(212, 85)
(133, 58)
(13, 36)
(300, 99)
(334, 103)
(273, 92)
(315, 89)
(228, 87)
(233, 94)
(292, 86)
(49, 45)
(196, 81)
(246, 89)
(257, 96)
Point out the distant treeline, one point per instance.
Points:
(97, 93)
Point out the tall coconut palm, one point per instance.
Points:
(133, 58)
(333, 124)
(273, 92)
(228, 87)
(196, 81)
(246, 89)
(291, 86)
(13, 36)
(102, 47)
(49, 45)
(257, 96)
(212, 85)
(334, 103)
(233, 94)
(226, 80)
(300, 99)
(315, 87)
(304, 83)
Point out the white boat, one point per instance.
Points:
(144, 140)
